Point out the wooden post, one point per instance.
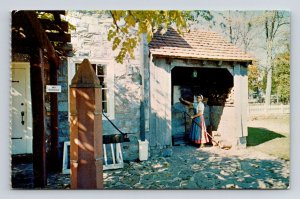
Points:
(160, 103)
(55, 163)
(38, 117)
(240, 104)
(86, 129)
(146, 88)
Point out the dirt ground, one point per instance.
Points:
(280, 146)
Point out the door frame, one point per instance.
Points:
(28, 131)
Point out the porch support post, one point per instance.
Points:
(38, 117)
(54, 120)
(241, 104)
(86, 129)
(144, 49)
(152, 100)
(160, 103)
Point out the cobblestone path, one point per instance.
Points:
(187, 168)
(209, 168)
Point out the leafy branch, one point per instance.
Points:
(129, 25)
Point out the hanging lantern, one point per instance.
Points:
(195, 74)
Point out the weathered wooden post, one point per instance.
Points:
(86, 129)
(54, 119)
(38, 117)
(241, 104)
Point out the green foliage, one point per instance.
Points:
(281, 77)
(254, 78)
(129, 25)
(92, 12)
(45, 15)
(204, 14)
(50, 16)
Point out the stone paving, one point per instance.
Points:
(187, 168)
(22, 178)
(208, 168)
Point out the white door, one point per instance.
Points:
(21, 134)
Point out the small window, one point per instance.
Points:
(101, 73)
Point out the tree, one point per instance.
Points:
(273, 21)
(237, 26)
(128, 25)
(229, 25)
(254, 78)
(281, 77)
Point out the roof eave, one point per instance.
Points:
(203, 58)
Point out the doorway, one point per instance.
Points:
(21, 116)
(214, 84)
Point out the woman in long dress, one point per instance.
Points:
(198, 133)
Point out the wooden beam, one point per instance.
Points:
(20, 45)
(198, 63)
(39, 35)
(66, 47)
(168, 61)
(38, 117)
(55, 163)
(240, 102)
(160, 103)
(61, 12)
(59, 37)
(200, 58)
(52, 25)
(28, 23)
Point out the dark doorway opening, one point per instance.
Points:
(212, 83)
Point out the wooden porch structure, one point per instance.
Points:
(196, 50)
(44, 36)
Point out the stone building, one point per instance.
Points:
(121, 83)
(141, 96)
(198, 62)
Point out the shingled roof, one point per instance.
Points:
(202, 45)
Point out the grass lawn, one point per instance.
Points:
(271, 136)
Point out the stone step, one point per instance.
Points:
(221, 142)
(179, 139)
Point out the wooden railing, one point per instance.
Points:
(273, 109)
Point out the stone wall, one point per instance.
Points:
(127, 111)
(178, 119)
(63, 107)
(90, 41)
(222, 121)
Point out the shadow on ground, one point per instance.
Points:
(188, 168)
(191, 168)
(257, 136)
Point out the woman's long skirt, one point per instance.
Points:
(198, 133)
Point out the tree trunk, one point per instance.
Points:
(269, 72)
(269, 87)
